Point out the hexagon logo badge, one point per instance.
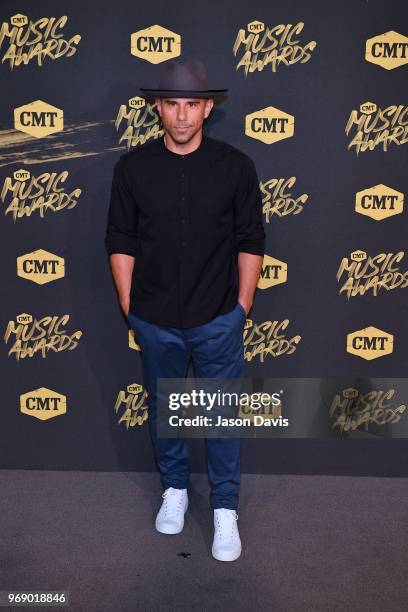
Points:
(370, 343)
(38, 119)
(388, 50)
(358, 255)
(137, 102)
(256, 27)
(43, 404)
(134, 388)
(274, 272)
(21, 175)
(24, 318)
(379, 202)
(155, 44)
(269, 125)
(40, 267)
(19, 20)
(367, 108)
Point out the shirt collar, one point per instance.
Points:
(196, 153)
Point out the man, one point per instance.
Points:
(186, 242)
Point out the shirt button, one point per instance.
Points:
(183, 243)
(183, 220)
(182, 176)
(183, 198)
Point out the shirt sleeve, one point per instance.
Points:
(122, 221)
(249, 229)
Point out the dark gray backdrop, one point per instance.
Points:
(90, 86)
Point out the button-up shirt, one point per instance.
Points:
(184, 218)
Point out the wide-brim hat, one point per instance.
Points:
(188, 80)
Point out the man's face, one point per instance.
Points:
(182, 118)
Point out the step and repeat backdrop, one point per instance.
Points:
(318, 98)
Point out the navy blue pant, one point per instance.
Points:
(217, 351)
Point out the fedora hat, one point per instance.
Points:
(188, 80)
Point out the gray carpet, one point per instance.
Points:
(310, 543)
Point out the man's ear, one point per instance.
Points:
(158, 105)
(209, 103)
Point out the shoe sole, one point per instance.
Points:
(169, 531)
(226, 556)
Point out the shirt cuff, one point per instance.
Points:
(123, 245)
(256, 248)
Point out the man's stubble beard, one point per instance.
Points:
(182, 138)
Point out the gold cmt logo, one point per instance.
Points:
(269, 125)
(132, 402)
(274, 272)
(388, 50)
(136, 102)
(21, 175)
(38, 119)
(256, 26)
(280, 45)
(353, 409)
(43, 404)
(364, 273)
(40, 267)
(379, 202)
(268, 338)
(370, 343)
(278, 199)
(374, 126)
(139, 121)
(19, 20)
(155, 44)
(29, 336)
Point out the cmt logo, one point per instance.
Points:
(370, 343)
(274, 272)
(24, 318)
(269, 125)
(38, 119)
(40, 267)
(137, 102)
(388, 50)
(19, 20)
(134, 389)
(155, 44)
(368, 108)
(256, 27)
(358, 256)
(379, 202)
(21, 175)
(43, 404)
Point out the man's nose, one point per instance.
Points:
(182, 114)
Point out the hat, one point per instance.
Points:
(188, 80)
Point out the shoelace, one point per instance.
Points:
(224, 535)
(167, 493)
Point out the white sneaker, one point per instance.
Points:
(170, 518)
(227, 544)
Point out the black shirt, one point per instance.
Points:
(184, 218)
